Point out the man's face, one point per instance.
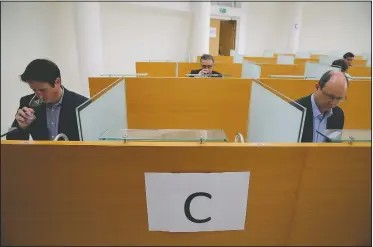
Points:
(330, 96)
(45, 91)
(349, 60)
(207, 64)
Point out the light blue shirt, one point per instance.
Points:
(319, 121)
(53, 117)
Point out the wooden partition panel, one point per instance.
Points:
(189, 103)
(219, 59)
(96, 84)
(316, 56)
(93, 193)
(357, 108)
(281, 69)
(157, 69)
(212, 103)
(186, 103)
(273, 60)
(168, 69)
(360, 71)
(233, 69)
(359, 62)
(261, 60)
(284, 54)
(160, 69)
(305, 60)
(325, 197)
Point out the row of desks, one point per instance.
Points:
(93, 193)
(174, 69)
(212, 103)
(358, 61)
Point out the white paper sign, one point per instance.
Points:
(212, 32)
(192, 202)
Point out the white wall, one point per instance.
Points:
(136, 33)
(131, 32)
(344, 26)
(170, 5)
(30, 31)
(325, 26)
(265, 27)
(65, 53)
(231, 12)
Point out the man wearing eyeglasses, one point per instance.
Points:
(207, 63)
(322, 106)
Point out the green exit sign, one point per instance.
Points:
(223, 10)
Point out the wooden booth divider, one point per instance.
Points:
(211, 103)
(93, 193)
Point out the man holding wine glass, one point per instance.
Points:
(50, 110)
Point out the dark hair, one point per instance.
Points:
(341, 64)
(348, 55)
(207, 57)
(326, 77)
(41, 70)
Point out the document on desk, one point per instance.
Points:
(193, 202)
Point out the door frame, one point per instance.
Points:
(238, 26)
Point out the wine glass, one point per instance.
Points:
(35, 102)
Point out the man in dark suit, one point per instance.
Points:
(343, 65)
(322, 110)
(207, 63)
(57, 113)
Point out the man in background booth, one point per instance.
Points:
(207, 64)
(55, 111)
(349, 57)
(342, 64)
(322, 106)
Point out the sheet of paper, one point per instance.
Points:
(192, 202)
(212, 32)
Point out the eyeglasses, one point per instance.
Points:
(332, 97)
(206, 66)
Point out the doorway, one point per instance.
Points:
(227, 39)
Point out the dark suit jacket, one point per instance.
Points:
(335, 121)
(196, 71)
(38, 128)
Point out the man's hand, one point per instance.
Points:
(25, 117)
(203, 72)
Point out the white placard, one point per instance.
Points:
(193, 202)
(212, 32)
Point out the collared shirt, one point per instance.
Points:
(319, 121)
(53, 115)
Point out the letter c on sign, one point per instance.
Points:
(187, 207)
